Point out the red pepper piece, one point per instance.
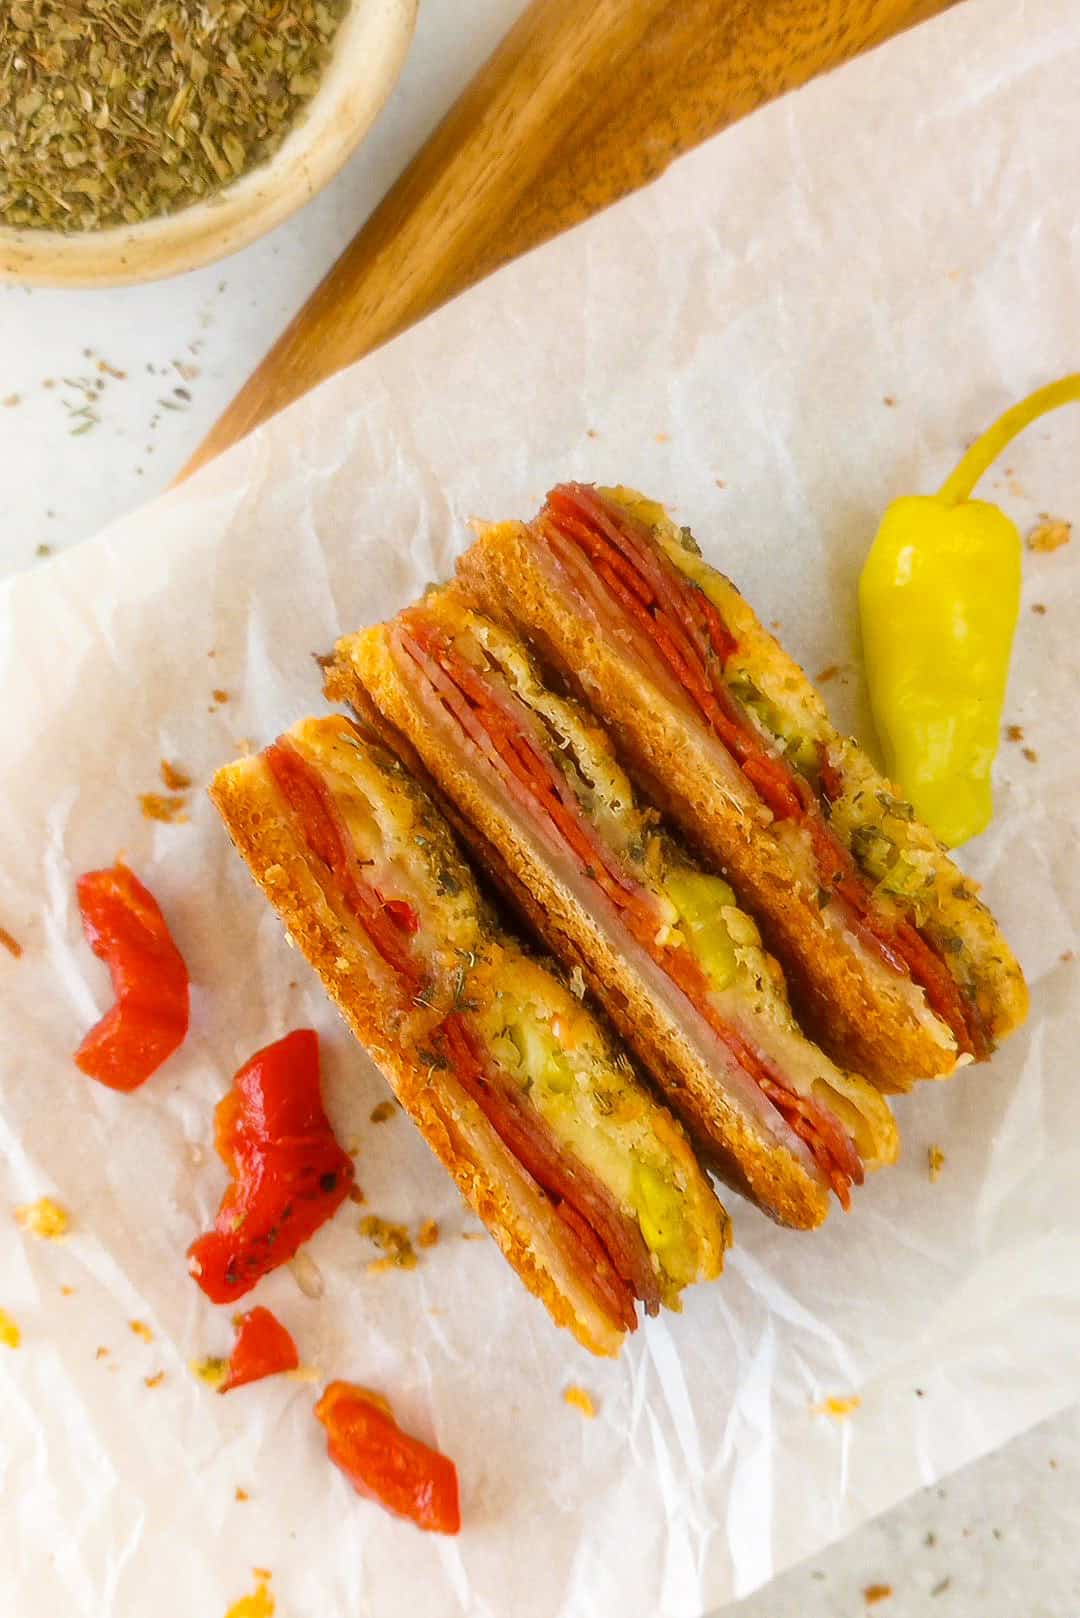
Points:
(288, 1172)
(263, 1348)
(403, 916)
(125, 928)
(385, 1464)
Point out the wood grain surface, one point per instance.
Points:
(584, 101)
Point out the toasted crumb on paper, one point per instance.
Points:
(211, 1369)
(1049, 534)
(45, 1218)
(391, 1239)
(169, 810)
(580, 1400)
(838, 1408)
(260, 1604)
(176, 779)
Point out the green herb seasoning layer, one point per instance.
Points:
(115, 111)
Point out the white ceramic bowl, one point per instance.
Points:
(368, 54)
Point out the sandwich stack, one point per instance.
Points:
(749, 937)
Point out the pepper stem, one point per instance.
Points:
(988, 447)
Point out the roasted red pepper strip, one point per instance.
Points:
(403, 916)
(125, 929)
(289, 1173)
(385, 1464)
(263, 1348)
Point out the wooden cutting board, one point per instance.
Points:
(584, 101)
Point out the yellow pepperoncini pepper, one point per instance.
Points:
(939, 596)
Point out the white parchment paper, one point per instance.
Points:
(801, 321)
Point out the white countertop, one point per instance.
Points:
(158, 364)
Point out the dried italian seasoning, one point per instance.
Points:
(114, 111)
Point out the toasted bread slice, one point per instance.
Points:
(864, 1011)
(470, 965)
(702, 1077)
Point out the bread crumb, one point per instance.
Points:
(262, 1572)
(356, 1195)
(428, 1233)
(1067, 955)
(935, 1162)
(876, 1592)
(12, 945)
(591, 432)
(391, 1239)
(663, 438)
(174, 778)
(211, 1369)
(1039, 607)
(1014, 733)
(155, 806)
(219, 695)
(889, 399)
(141, 1329)
(829, 673)
(10, 1335)
(1050, 534)
(66, 1292)
(473, 1235)
(44, 1218)
(101, 1352)
(1030, 754)
(156, 1380)
(258, 1605)
(838, 1408)
(241, 1494)
(580, 1400)
(384, 1110)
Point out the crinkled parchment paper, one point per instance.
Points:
(801, 321)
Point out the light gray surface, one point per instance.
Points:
(1002, 1533)
(1003, 1529)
